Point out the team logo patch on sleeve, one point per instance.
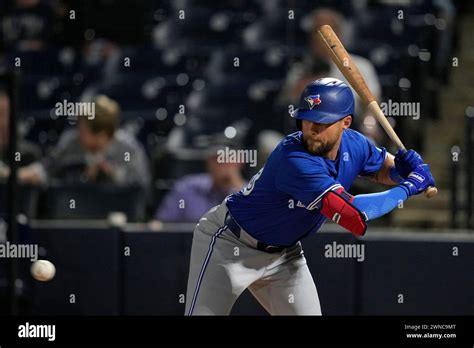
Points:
(313, 100)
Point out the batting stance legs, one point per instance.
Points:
(225, 261)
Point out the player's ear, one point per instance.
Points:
(347, 121)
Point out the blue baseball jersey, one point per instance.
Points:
(280, 205)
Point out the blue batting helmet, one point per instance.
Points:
(325, 100)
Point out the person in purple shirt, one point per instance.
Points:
(194, 194)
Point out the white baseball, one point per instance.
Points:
(43, 270)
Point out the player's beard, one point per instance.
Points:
(320, 148)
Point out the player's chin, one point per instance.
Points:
(314, 147)
(317, 150)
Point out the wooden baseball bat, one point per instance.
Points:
(345, 64)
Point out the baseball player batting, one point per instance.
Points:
(252, 240)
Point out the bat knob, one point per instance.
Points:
(431, 192)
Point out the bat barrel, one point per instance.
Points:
(344, 62)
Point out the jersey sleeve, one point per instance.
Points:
(304, 179)
(373, 157)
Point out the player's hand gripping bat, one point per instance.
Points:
(345, 64)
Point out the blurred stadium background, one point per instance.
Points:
(190, 75)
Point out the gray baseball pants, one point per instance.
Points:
(223, 264)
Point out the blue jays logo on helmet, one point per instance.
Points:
(313, 100)
(325, 100)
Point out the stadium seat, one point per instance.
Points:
(51, 62)
(151, 133)
(217, 106)
(343, 6)
(200, 30)
(45, 78)
(39, 94)
(276, 29)
(229, 5)
(172, 165)
(93, 202)
(27, 200)
(244, 106)
(247, 66)
(42, 131)
(144, 95)
(146, 60)
(411, 29)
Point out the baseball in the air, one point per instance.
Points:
(43, 270)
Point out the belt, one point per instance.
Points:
(234, 227)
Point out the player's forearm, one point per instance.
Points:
(387, 175)
(375, 205)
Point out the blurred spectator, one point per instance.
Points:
(195, 194)
(94, 152)
(27, 25)
(318, 64)
(28, 152)
(100, 57)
